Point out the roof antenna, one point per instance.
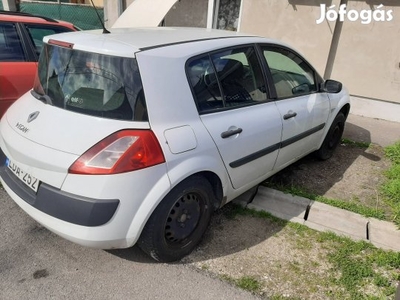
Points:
(101, 21)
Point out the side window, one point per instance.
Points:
(10, 44)
(204, 84)
(230, 78)
(291, 75)
(37, 32)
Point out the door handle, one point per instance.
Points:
(231, 132)
(289, 115)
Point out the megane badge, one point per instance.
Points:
(33, 116)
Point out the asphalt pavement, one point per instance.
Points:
(37, 264)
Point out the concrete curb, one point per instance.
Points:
(322, 217)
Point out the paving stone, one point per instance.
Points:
(384, 234)
(323, 217)
(327, 218)
(281, 205)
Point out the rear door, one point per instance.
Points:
(304, 110)
(231, 97)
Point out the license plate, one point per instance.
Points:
(24, 176)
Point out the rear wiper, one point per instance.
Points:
(44, 98)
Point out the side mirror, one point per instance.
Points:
(332, 86)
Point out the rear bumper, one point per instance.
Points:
(68, 207)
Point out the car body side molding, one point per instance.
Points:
(302, 135)
(244, 160)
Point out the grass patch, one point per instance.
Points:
(391, 188)
(248, 283)
(360, 264)
(355, 270)
(233, 209)
(355, 144)
(393, 153)
(358, 270)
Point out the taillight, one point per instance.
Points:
(123, 151)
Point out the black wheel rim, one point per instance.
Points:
(335, 136)
(183, 218)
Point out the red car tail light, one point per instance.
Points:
(122, 151)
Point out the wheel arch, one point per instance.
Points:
(345, 110)
(145, 211)
(216, 185)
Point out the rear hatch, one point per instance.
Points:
(78, 99)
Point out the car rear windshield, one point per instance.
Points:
(90, 83)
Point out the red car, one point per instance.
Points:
(21, 38)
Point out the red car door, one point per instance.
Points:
(16, 78)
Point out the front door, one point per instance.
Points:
(303, 109)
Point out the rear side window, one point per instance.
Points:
(37, 32)
(10, 44)
(227, 79)
(90, 83)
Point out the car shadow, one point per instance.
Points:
(229, 232)
(132, 254)
(232, 232)
(228, 236)
(318, 177)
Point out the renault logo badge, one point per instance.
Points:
(33, 116)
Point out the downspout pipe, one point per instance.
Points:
(334, 45)
(210, 13)
(120, 7)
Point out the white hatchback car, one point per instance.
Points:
(136, 136)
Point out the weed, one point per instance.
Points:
(249, 283)
(393, 153)
(360, 264)
(355, 144)
(381, 281)
(232, 210)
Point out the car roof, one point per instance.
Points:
(20, 17)
(127, 41)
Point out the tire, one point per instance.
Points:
(332, 138)
(178, 223)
